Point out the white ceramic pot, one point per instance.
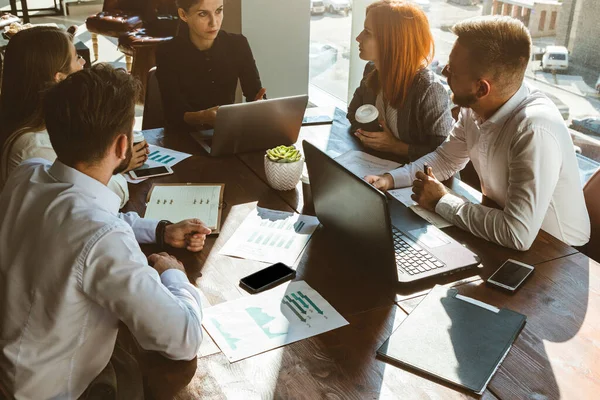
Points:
(283, 176)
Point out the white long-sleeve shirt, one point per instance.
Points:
(525, 160)
(70, 269)
(24, 146)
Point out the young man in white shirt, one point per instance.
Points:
(71, 267)
(515, 137)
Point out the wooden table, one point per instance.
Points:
(342, 363)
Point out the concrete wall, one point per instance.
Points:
(279, 33)
(585, 34)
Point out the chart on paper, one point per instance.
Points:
(271, 236)
(159, 157)
(280, 316)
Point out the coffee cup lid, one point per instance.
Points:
(366, 113)
(138, 137)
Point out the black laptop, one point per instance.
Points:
(389, 231)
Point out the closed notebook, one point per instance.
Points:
(176, 202)
(454, 338)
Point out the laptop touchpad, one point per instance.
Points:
(430, 236)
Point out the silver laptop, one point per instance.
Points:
(254, 126)
(388, 232)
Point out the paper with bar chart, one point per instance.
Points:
(159, 156)
(254, 324)
(271, 236)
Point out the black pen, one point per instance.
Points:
(426, 168)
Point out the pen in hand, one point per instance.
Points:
(426, 169)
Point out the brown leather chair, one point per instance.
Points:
(591, 192)
(117, 17)
(141, 44)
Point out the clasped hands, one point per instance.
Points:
(427, 190)
(189, 234)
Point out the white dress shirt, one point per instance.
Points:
(526, 163)
(70, 269)
(23, 146)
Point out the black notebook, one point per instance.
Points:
(454, 338)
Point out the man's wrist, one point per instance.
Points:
(160, 233)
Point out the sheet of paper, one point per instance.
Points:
(176, 203)
(403, 196)
(271, 236)
(254, 324)
(157, 157)
(362, 164)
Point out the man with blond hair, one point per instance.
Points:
(515, 137)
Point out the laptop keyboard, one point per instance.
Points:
(412, 258)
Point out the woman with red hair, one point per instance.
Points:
(413, 106)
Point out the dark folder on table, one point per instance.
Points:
(454, 338)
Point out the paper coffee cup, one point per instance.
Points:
(366, 114)
(138, 137)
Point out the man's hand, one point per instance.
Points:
(383, 182)
(427, 190)
(382, 141)
(164, 261)
(139, 157)
(189, 233)
(261, 94)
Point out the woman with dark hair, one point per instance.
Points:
(36, 59)
(198, 70)
(412, 104)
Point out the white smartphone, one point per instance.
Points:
(150, 172)
(510, 275)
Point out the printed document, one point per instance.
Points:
(271, 236)
(363, 164)
(254, 324)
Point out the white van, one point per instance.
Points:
(555, 58)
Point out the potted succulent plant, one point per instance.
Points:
(283, 167)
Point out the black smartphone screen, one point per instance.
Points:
(142, 173)
(511, 274)
(265, 277)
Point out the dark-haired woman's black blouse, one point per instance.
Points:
(193, 80)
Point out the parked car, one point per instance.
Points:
(562, 107)
(555, 58)
(317, 7)
(321, 57)
(587, 125)
(338, 6)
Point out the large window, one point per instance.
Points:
(330, 39)
(570, 26)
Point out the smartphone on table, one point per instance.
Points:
(267, 278)
(150, 172)
(510, 275)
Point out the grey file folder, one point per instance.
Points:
(454, 338)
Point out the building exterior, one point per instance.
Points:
(579, 31)
(540, 16)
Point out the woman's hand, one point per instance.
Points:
(140, 155)
(382, 141)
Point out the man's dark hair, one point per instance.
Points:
(86, 112)
(499, 48)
